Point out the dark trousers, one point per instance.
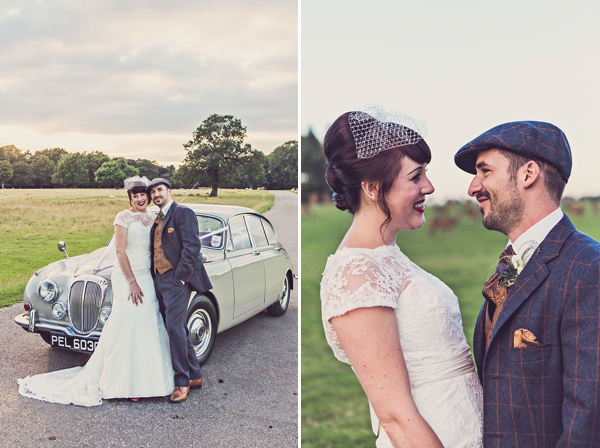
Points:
(173, 300)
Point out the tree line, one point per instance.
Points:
(216, 157)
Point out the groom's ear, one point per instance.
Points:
(529, 173)
(370, 189)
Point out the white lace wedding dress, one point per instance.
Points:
(444, 385)
(132, 358)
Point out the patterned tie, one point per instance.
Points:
(495, 292)
(159, 217)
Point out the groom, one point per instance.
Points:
(177, 270)
(537, 337)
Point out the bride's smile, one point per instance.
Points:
(406, 198)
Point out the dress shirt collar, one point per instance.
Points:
(165, 209)
(538, 232)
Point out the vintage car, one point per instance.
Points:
(69, 301)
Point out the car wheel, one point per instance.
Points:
(46, 337)
(202, 325)
(280, 307)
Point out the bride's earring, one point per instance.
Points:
(370, 189)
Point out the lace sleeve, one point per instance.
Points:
(123, 219)
(356, 280)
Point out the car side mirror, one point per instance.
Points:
(62, 246)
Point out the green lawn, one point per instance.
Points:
(33, 221)
(334, 409)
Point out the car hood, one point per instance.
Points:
(99, 262)
(59, 267)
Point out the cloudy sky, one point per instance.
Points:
(135, 78)
(461, 66)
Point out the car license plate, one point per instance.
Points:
(73, 343)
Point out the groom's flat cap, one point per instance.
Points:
(159, 181)
(530, 139)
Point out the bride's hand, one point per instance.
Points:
(135, 293)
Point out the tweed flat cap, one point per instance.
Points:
(531, 139)
(159, 181)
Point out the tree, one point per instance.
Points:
(22, 174)
(184, 177)
(112, 173)
(95, 159)
(283, 166)
(251, 171)
(42, 169)
(166, 172)
(147, 168)
(313, 167)
(72, 171)
(11, 153)
(6, 171)
(54, 154)
(217, 148)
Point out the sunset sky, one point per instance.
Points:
(136, 78)
(461, 66)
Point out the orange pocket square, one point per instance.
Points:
(525, 338)
(170, 230)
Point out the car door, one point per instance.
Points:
(247, 268)
(265, 242)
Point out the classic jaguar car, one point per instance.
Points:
(69, 301)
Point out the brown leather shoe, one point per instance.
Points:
(180, 394)
(196, 384)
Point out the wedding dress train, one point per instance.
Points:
(132, 358)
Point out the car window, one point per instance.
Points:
(256, 229)
(239, 233)
(208, 225)
(270, 231)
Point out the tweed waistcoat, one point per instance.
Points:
(161, 263)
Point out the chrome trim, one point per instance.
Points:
(23, 320)
(55, 294)
(64, 310)
(85, 302)
(32, 315)
(104, 308)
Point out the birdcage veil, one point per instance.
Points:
(374, 130)
(135, 181)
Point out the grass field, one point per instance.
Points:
(33, 221)
(334, 408)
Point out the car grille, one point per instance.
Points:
(85, 300)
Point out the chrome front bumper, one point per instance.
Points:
(32, 326)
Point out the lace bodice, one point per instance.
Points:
(139, 226)
(427, 311)
(444, 386)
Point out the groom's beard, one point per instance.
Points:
(505, 210)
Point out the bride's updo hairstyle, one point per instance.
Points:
(378, 159)
(135, 185)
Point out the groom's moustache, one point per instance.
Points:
(483, 194)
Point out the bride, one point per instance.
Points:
(132, 358)
(398, 326)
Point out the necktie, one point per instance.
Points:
(496, 288)
(495, 292)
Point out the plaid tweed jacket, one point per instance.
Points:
(181, 247)
(546, 395)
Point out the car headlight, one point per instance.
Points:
(104, 313)
(59, 311)
(48, 291)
